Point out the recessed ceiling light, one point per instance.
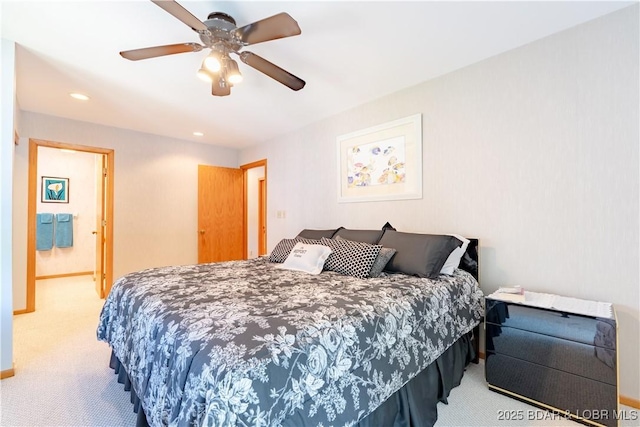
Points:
(198, 134)
(79, 96)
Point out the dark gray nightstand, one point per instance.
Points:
(554, 359)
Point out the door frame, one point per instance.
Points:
(32, 191)
(262, 216)
(245, 228)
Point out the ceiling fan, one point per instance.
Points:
(220, 34)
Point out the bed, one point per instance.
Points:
(251, 343)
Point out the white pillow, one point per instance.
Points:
(306, 257)
(454, 257)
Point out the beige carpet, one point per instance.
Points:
(62, 372)
(63, 378)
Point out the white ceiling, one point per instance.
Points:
(349, 53)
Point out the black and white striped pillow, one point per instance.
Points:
(284, 247)
(350, 258)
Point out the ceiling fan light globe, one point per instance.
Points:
(233, 72)
(205, 75)
(235, 78)
(212, 64)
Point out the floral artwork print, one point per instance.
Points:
(376, 163)
(55, 190)
(246, 343)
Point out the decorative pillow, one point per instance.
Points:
(283, 248)
(364, 236)
(307, 258)
(381, 261)
(453, 261)
(421, 255)
(317, 234)
(350, 258)
(469, 261)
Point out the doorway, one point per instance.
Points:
(103, 229)
(255, 208)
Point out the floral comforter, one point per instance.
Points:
(247, 343)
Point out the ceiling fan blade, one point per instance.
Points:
(182, 14)
(152, 52)
(220, 88)
(272, 70)
(274, 27)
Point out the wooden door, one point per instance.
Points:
(220, 214)
(262, 217)
(101, 178)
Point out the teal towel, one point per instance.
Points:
(44, 231)
(64, 230)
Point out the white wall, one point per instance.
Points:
(253, 188)
(155, 186)
(534, 152)
(80, 168)
(7, 100)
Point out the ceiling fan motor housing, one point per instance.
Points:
(221, 16)
(221, 27)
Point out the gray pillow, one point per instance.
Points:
(364, 236)
(421, 255)
(317, 234)
(381, 261)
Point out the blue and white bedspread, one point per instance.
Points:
(246, 343)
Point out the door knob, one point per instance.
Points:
(94, 232)
(201, 231)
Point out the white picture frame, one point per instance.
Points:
(383, 162)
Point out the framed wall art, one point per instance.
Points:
(54, 190)
(382, 162)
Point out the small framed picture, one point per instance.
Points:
(55, 190)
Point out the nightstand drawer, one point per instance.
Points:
(573, 327)
(583, 397)
(585, 360)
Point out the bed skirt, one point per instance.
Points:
(414, 405)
